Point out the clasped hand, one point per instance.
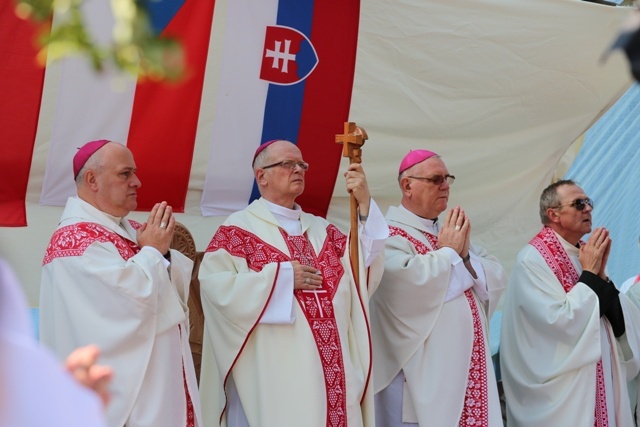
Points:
(455, 231)
(595, 252)
(157, 232)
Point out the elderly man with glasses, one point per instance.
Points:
(429, 316)
(287, 338)
(568, 336)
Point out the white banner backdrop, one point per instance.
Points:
(499, 88)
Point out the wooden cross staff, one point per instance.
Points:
(352, 141)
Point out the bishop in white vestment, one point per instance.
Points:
(287, 339)
(106, 283)
(432, 359)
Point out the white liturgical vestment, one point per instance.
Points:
(309, 363)
(429, 316)
(99, 287)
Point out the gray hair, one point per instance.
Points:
(94, 162)
(261, 159)
(549, 198)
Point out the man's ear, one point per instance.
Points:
(405, 185)
(260, 179)
(553, 215)
(90, 180)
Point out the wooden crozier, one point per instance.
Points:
(352, 141)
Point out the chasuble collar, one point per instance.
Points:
(288, 219)
(293, 214)
(86, 212)
(429, 225)
(571, 249)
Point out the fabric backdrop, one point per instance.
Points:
(499, 88)
(607, 169)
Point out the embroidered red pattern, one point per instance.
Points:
(475, 411)
(244, 244)
(558, 261)
(316, 305)
(476, 406)
(74, 239)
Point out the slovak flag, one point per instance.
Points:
(287, 73)
(289, 56)
(272, 69)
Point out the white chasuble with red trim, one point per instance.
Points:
(558, 261)
(475, 411)
(99, 287)
(314, 371)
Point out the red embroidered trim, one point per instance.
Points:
(556, 257)
(134, 224)
(476, 405)
(74, 239)
(316, 305)
(547, 243)
(244, 244)
(475, 411)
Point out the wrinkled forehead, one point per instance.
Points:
(118, 156)
(283, 150)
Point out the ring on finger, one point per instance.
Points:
(163, 224)
(306, 280)
(457, 227)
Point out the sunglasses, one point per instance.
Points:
(579, 204)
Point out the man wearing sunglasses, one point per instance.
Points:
(432, 364)
(564, 352)
(286, 339)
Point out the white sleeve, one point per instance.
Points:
(373, 234)
(151, 249)
(460, 279)
(479, 284)
(280, 310)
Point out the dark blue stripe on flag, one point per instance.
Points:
(283, 107)
(161, 12)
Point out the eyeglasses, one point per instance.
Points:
(579, 204)
(289, 164)
(436, 179)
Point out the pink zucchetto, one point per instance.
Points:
(413, 158)
(262, 147)
(84, 153)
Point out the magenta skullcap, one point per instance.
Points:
(84, 153)
(261, 148)
(413, 158)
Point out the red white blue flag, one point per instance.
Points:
(287, 73)
(274, 70)
(157, 121)
(21, 82)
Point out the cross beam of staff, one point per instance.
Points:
(352, 140)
